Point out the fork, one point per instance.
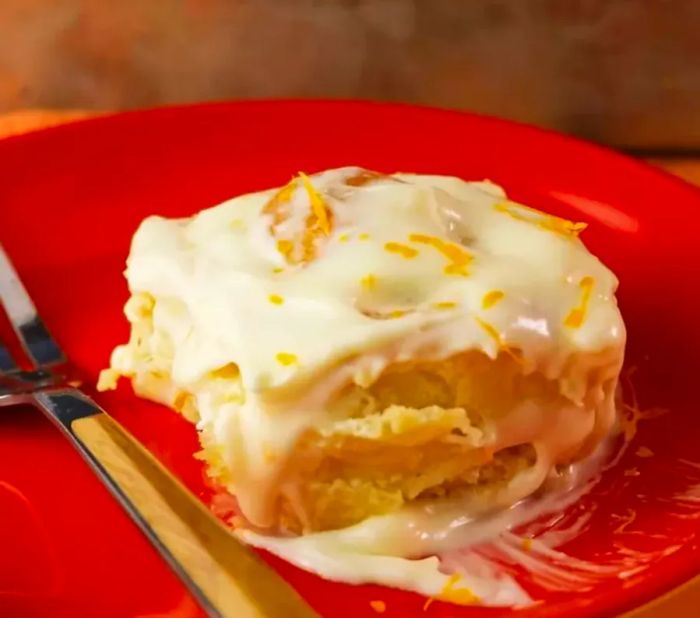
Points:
(226, 577)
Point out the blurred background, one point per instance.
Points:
(621, 72)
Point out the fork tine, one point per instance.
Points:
(32, 333)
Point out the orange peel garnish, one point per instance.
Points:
(493, 332)
(577, 315)
(491, 298)
(385, 315)
(459, 596)
(545, 221)
(302, 247)
(402, 250)
(286, 359)
(378, 606)
(318, 206)
(369, 281)
(459, 258)
(644, 452)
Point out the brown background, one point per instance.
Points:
(624, 72)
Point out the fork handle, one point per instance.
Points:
(225, 576)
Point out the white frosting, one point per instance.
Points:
(226, 293)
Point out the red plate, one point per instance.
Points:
(70, 199)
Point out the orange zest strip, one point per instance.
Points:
(492, 332)
(491, 298)
(318, 206)
(577, 316)
(459, 258)
(378, 606)
(548, 222)
(460, 596)
(445, 305)
(275, 206)
(402, 250)
(389, 315)
(286, 359)
(317, 225)
(369, 281)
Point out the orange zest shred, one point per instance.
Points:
(577, 315)
(644, 452)
(491, 298)
(548, 222)
(378, 606)
(491, 331)
(445, 305)
(318, 206)
(379, 315)
(317, 224)
(369, 281)
(286, 359)
(276, 206)
(459, 596)
(459, 258)
(286, 192)
(456, 269)
(402, 250)
(527, 544)
(286, 248)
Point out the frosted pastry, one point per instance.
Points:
(368, 356)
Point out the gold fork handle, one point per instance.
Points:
(227, 578)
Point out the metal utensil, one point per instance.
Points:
(223, 574)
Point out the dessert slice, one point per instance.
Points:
(355, 345)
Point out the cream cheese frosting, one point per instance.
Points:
(335, 277)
